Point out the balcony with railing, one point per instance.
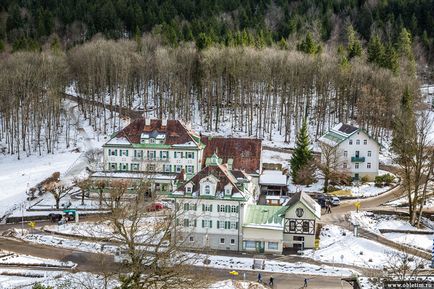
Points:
(357, 159)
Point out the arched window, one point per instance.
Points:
(207, 190)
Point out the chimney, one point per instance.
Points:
(147, 121)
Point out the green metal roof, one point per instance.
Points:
(264, 215)
(337, 138)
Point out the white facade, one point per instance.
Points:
(153, 159)
(360, 155)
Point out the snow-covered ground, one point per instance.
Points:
(9, 258)
(221, 262)
(230, 284)
(340, 246)
(274, 157)
(16, 176)
(375, 223)
(357, 190)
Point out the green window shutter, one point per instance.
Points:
(195, 207)
(109, 152)
(192, 155)
(210, 224)
(218, 210)
(174, 155)
(116, 152)
(203, 208)
(236, 225)
(161, 154)
(126, 152)
(218, 224)
(203, 223)
(210, 208)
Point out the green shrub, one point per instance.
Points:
(40, 286)
(364, 179)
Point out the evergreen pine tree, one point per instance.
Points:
(302, 157)
(375, 51)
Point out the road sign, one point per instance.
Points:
(316, 244)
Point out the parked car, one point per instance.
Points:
(335, 201)
(154, 207)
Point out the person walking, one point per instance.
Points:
(271, 283)
(305, 283)
(259, 278)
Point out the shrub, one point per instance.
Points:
(364, 179)
(388, 179)
(40, 286)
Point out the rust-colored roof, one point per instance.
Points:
(221, 172)
(245, 152)
(176, 132)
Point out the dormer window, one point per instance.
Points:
(227, 191)
(188, 190)
(152, 140)
(207, 190)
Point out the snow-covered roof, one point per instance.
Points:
(338, 134)
(118, 141)
(270, 177)
(134, 175)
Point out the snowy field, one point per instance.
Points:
(9, 258)
(358, 191)
(274, 157)
(220, 262)
(375, 223)
(339, 246)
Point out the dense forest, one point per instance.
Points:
(256, 66)
(257, 92)
(28, 24)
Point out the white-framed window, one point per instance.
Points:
(152, 140)
(166, 168)
(123, 153)
(113, 152)
(232, 241)
(206, 223)
(221, 208)
(273, 245)
(138, 153)
(222, 240)
(369, 153)
(249, 244)
(233, 225)
(113, 166)
(351, 142)
(365, 141)
(220, 224)
(234, 209)
(206, 208)
(189, 169)
(178, 155)
(345, 153)
(164, 155)
(356, 165)
(191, 239)
(188, 190)
(150, 167)
(357, 142)
(186, 223)
(151, 155)
(178, 168)
(368, 165)
(228, 191)
(207, 190)
(190, 155)
(123, 167)
(135, 167)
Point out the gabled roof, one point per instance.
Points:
(306, 200)
(245, 152)
(263, 216)
(222, 174)
(340, 133)
(175, 132)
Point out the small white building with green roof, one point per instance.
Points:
(357, 151)
(277, 229)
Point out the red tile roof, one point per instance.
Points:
(176, 132)
(245, 152)
(221, 172)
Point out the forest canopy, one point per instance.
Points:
(29, 24)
